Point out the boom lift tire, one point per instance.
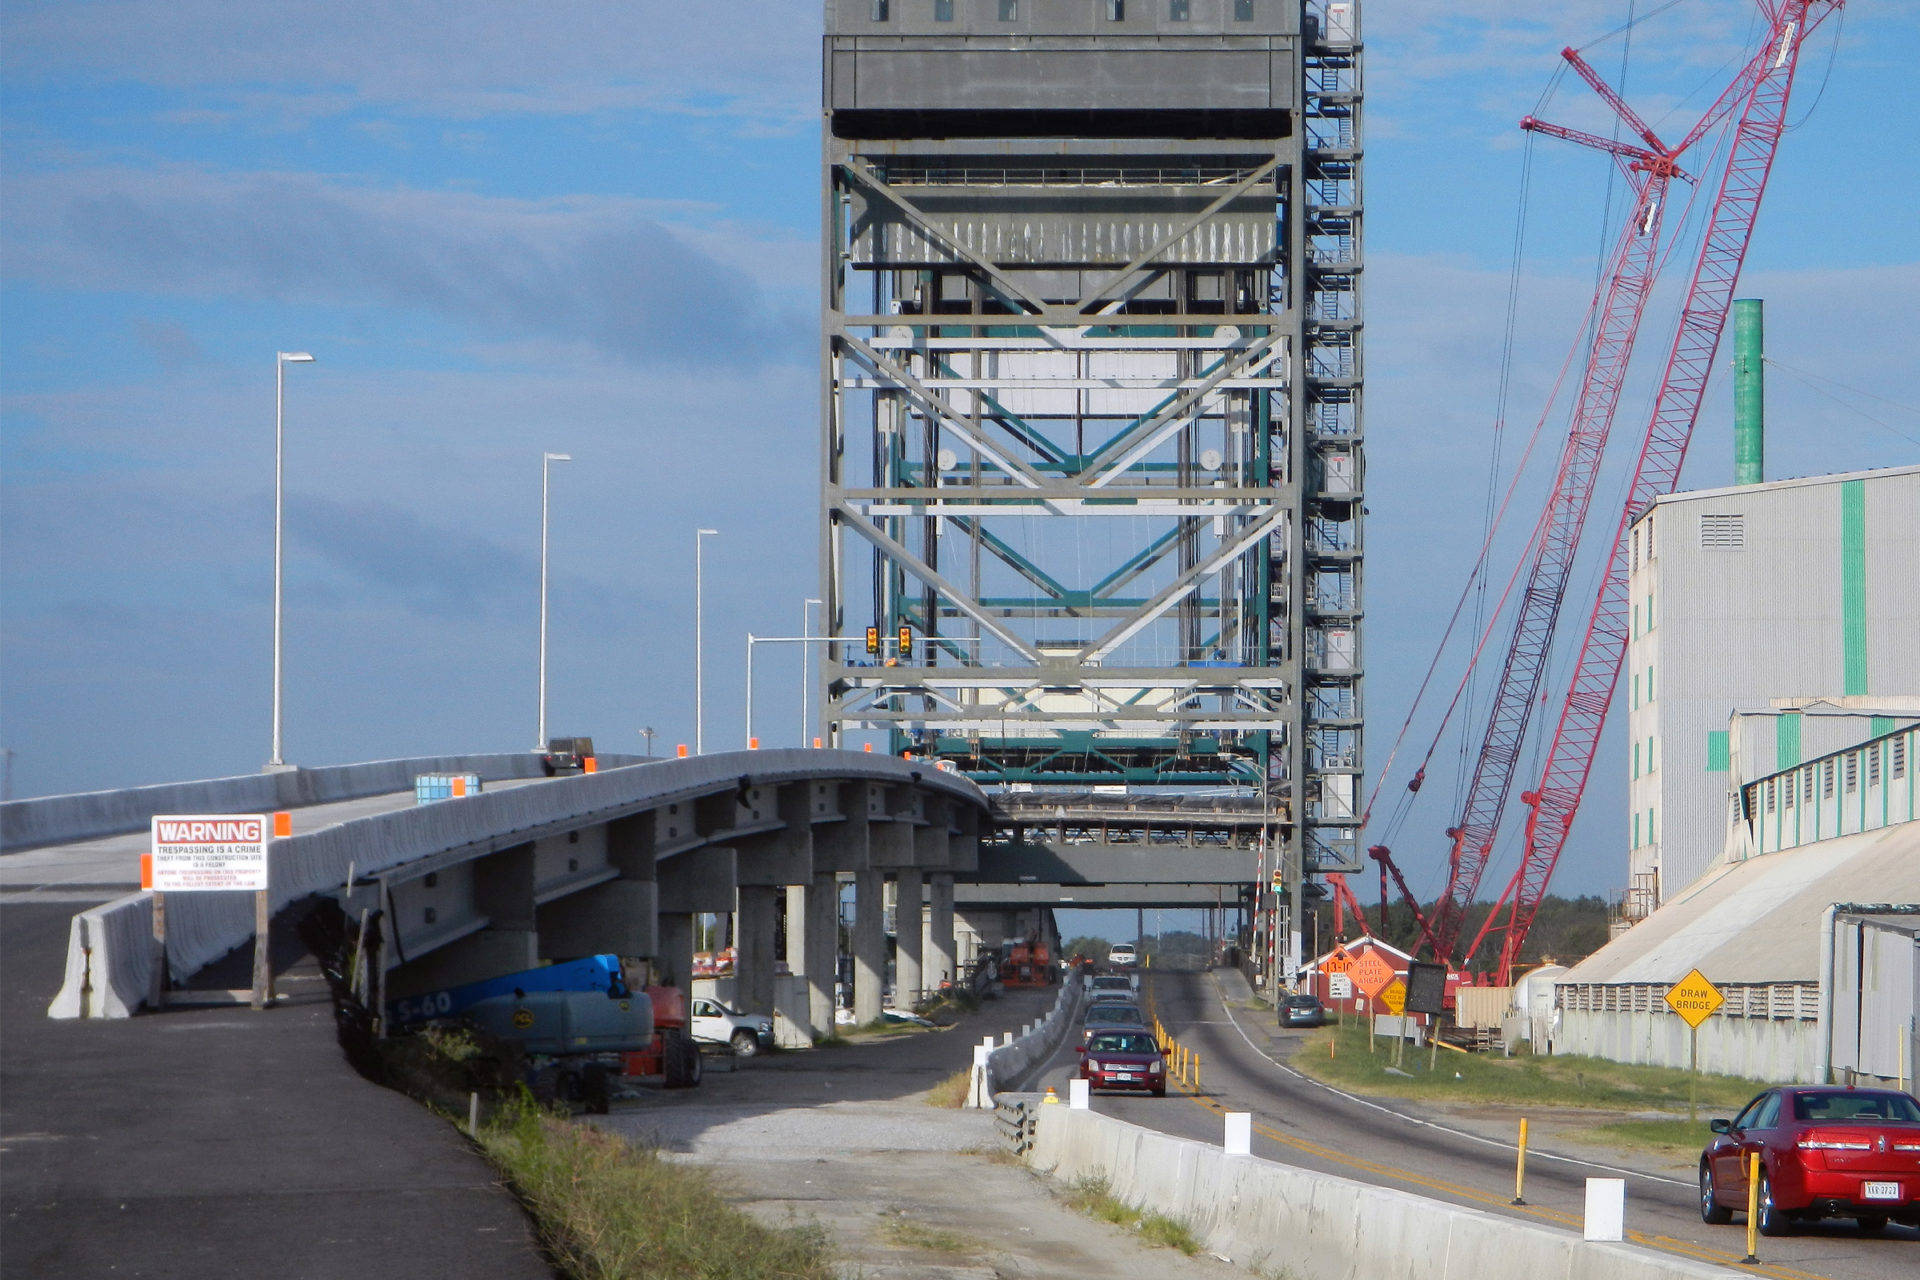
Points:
(681, 1059)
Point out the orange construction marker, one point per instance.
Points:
(681, 751)
(282, 825)
(146, 871)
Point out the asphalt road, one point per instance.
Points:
(214, 1142)
(1299, 1122)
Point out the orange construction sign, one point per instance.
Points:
(1341, 961)
(1372, 974)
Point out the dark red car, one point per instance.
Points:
(1825, 1152)
(1124, 1058)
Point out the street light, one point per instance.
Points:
(699, 642)
(546, 468)
(280, 362)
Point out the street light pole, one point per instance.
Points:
(280, 362)
(806, 668)
(699, 641)
(546, 470)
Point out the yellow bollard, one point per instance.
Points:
(1196, 1073)
(1753, 1208)
(1520, 1168)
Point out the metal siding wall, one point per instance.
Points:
(1740, 627)
(1893, 569)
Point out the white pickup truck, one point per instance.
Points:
(748, 1033)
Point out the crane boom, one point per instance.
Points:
(1624, 289)
(1762, 88)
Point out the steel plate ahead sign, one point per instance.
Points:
(1694, 998)
(1371, 973)
(194, 852)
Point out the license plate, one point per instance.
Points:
(1880, 1191)
(1128, 1075)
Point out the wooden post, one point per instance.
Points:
(1693, 1076)
(157, 980)
(262, 964)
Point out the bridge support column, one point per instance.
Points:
(907, 923)
(939, 957)
(821, 958)
(673, 958)
(869, 944)
(753, 948)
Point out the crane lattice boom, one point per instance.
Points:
(1761, 92)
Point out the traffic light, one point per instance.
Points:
(906, 641)
(873, 640)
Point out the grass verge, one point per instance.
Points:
(1557, 1081)
(909, 1234)
(1674, 1138)
(1092, 1196)
(608, 1210)
(951, 1092)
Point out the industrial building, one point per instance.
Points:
(1789, 607)
(1809, 931)
(1091, 402)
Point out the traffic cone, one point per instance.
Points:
(1051, 1097)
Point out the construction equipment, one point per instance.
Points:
(1758, 95)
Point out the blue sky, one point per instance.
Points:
(591, 228)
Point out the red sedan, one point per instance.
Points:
(1824, 1153)
(1124, 1059)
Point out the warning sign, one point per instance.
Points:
(1371, 973)
(1339, 986)
(1394, 996)
(194, 852)
(1341, 961)
(1694, 998)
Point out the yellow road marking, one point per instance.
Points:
(1560, 1217)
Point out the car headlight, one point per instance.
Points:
(1157, 1067)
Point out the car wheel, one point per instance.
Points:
(1773, 1221)
(1712, 1212)
(1870, 1225)
(745, 1044)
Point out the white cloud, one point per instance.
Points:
(642, 280)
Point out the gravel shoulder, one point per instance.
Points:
(843, 1136)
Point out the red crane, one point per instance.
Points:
(1620, 301)
(1760, 93)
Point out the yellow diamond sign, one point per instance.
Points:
(1694, 998)
(1395, 997)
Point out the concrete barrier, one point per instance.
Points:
(27, 824)
(1010, 1062)
(109, 947)
(1259, 1213)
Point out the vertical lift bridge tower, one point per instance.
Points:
(1091, 402)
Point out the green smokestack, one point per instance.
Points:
(1749, 392)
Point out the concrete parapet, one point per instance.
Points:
(109, 956)
(1318, 1227)
(26, 824)
(1009, 1063)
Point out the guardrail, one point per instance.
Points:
(1016, 1117)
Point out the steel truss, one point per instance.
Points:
(1091, 415)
